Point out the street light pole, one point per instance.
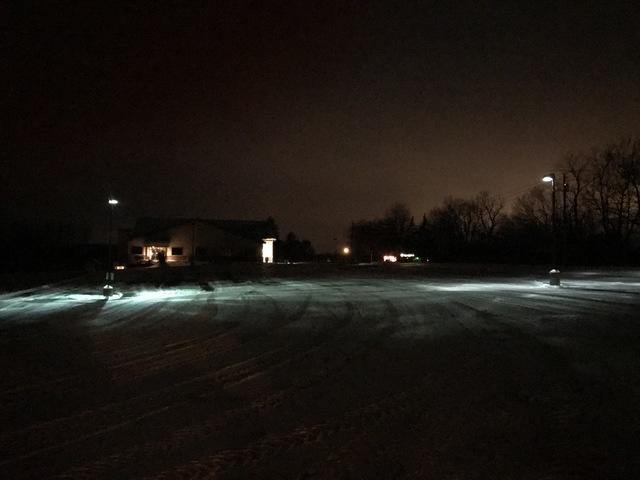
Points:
(108, 287)
(554, 273)
(564, 220)
(554, 223)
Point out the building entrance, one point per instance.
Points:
(155, 253)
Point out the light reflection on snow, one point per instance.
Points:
(487, 286)
(83, 297)
(370, 292)
(154, 294)
(175, 295)
(602, 285)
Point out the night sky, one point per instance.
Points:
(316, 113)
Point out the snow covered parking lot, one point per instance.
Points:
(348, 374)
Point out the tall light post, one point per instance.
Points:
(107, 290)
(554, 273)
(563, 257)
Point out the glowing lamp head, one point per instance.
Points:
(549, 178)
(113, 201)
(346, 250)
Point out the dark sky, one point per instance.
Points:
(316, 113)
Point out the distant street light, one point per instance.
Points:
(346, 250)
(107, 290)
(554, 273)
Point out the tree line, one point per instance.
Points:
(292, 249)
(597, 219)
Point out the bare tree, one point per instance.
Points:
(614, 192)
(576, 169)
(533, 207)
(399, 217)
(488, 210)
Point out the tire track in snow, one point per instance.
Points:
(377, 322)
(229, 373)
(272, 402)
(209, 348)
(339, 430)
(177, 440)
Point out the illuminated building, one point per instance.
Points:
(179, 240)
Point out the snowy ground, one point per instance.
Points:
(353, 374)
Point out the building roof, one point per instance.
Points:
(250, 229)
